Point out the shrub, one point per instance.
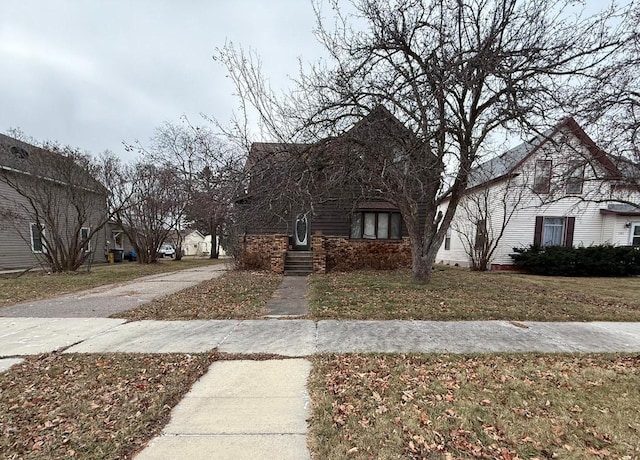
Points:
(248, 260)
(600, 260)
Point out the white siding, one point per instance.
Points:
(591, 226)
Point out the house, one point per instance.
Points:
(302, 212)
(557, 189)
(51, 209)
(117, 242)
(193, 244)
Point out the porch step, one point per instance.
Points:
(298, 263)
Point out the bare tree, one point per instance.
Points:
(454, 73)
(207, 169)
(62, 207)
(483, 215)
(148, 203)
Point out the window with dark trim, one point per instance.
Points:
(84, 236)
(447, 240)
(575, 177)
(37, 238)
(542, 178)
(376, 225)
(554, 231)
(635, 234)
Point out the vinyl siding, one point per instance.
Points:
(591, 227)
(15, 236)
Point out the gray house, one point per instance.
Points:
(52, 211)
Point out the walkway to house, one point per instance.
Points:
(242, 408)
(290, 299)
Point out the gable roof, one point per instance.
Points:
(21, 157)
(506, 164)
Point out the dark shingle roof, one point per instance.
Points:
(504, 164)
(507, 162)
(20, 156)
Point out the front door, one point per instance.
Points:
(301, 232)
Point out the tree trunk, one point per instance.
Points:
(178, 248)
(213, 254)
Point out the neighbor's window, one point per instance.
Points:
(118, 239)
(37, 238)
(84, 236)
(447, 240)
(575, 177)
(553, 231)
(376, 225)
(542, 179)
(635, 235)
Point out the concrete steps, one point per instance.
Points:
(298, 263)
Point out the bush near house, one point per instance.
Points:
(599, 260)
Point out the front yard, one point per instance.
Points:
(516, 406)
(489, 406)
(234, 295)
(91, 406)
(458, 294)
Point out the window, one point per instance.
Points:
(542, 179)
(635, 235)
(481, 234)
(84, 236)
(37, 239)
(117, 240)
(372, 225)
(575, 177)
(554, 231)
(19, 152)
(447, 240)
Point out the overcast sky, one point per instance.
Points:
(95, 73)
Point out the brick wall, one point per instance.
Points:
(344, 254)
(267, 252)
(319, 251)
(264, 252)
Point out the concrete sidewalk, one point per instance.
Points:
(300, 338)
(240, 410)
(113, 298)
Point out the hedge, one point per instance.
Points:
(600, 260)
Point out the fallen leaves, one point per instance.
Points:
(235, 295)
(90, 406)
(494, 407)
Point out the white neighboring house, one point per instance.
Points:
(559, 189)
(194, 244)
(197, 244)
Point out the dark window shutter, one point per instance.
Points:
(537, 235)
(570, 226)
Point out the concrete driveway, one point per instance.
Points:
(104, 301)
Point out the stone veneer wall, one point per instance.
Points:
(268, 252)
(264, 252)
(344, 254)
(319, 251)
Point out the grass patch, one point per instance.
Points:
(491, 406)
(234, 295)
(91, 406)
(38, 285)
(458, 294)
